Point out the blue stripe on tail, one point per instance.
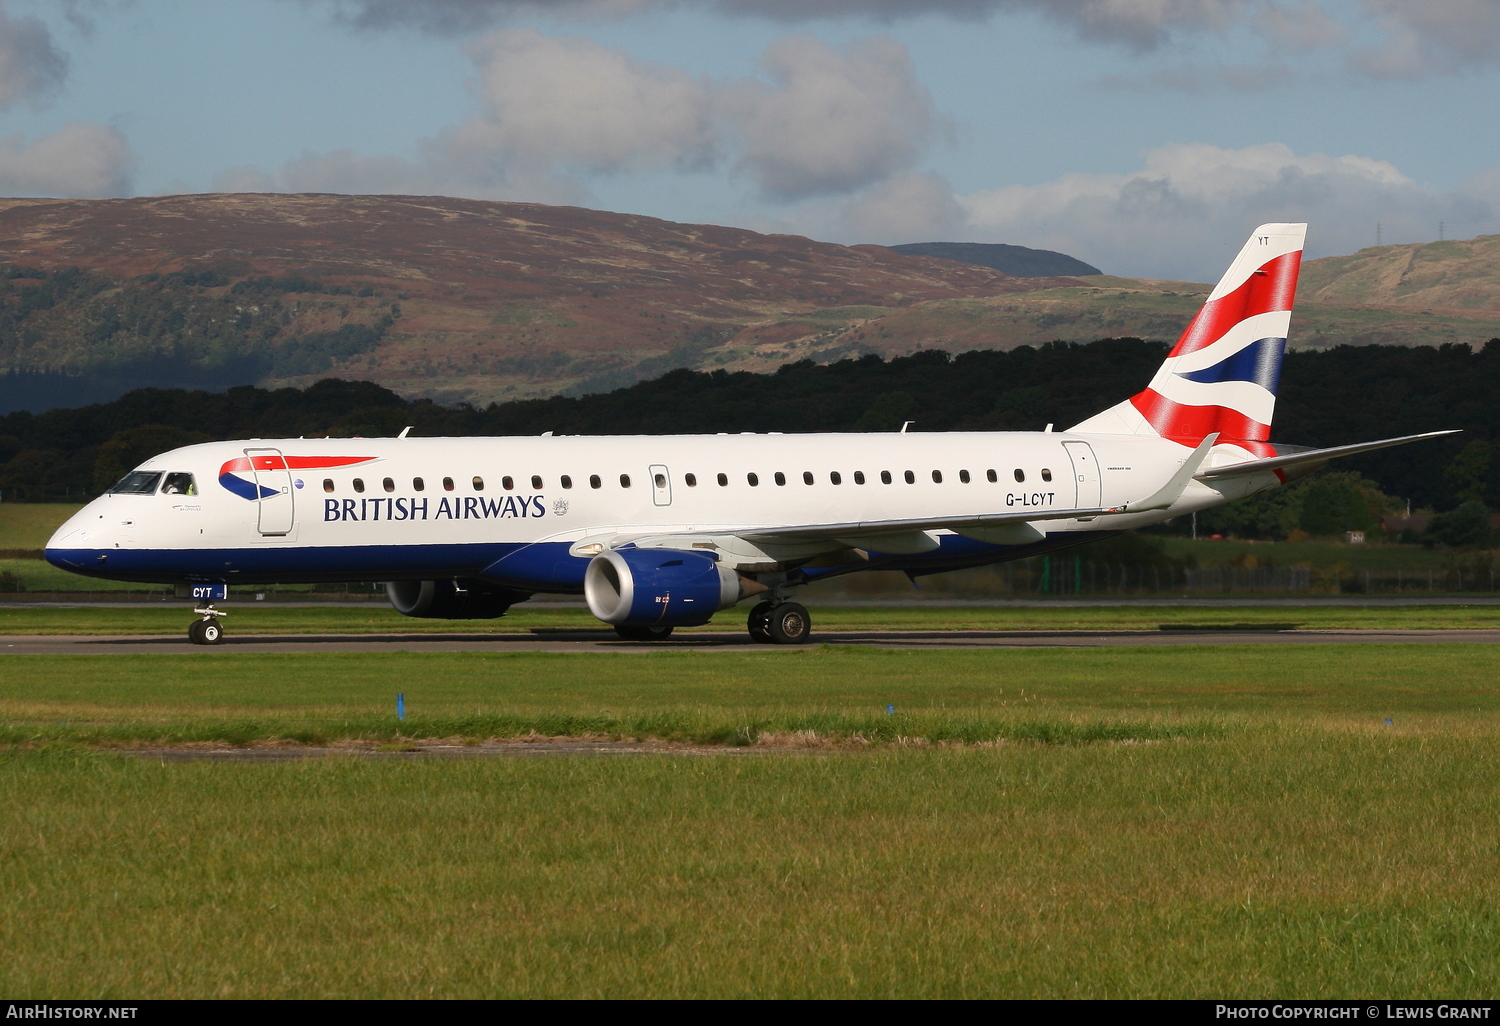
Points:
(1259, 362)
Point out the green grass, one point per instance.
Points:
(28, 525)
(1273, 865)
(246, 618)
(966, 695)
(1266, 835)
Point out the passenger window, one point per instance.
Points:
(359, 485)
(594, 481)
(508, 483)
(723, 480)
(691, 480)
(885, 477)
(536, 482)
(417, 484)
(937, 477)
(780, 478)
(328, 484)
(834, 477)
(910, 477)
(137, 482)
(807, 477)
(565, 481)
(1020, 474)
(388, 485)
(447, 484)
(479, 484)
(752, 479)
(991, 476)
(963, 476)
(179, 484)
(859, 477)
(1046, 474)
(624, 480)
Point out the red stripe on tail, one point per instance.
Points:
(1273, 287)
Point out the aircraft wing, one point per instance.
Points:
(868, 528)
(1298, 459)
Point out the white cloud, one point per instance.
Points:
(1192, 204)
(31, 65)
(910, 208)
(830, 121)
(571, 103)
(1425, 37)
(74, 161)
(554, 113)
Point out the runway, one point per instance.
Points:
(713, 641)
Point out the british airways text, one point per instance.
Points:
(468, 507)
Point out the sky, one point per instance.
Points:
(1147, 137)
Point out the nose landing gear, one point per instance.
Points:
(208, 630)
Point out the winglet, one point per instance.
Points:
(1170, 492)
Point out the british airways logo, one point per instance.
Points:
(467, 507)
(247, 488)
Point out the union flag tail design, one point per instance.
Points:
(1222, 374)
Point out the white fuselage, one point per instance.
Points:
(524, 510)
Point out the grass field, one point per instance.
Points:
(1190, 822)
(28, 525)
(379, 618)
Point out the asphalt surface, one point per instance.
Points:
(713, 641)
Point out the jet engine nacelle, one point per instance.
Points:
(660, 587)
(452, 600)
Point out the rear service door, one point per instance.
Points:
(661, 485)
(273, 481)
(1085, 473)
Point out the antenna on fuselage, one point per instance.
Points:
(905, 424)
(405, 431)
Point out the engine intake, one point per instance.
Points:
(661, 587)
(452, 600)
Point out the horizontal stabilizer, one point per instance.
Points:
(1298, 459)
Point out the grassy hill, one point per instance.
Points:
(482, 301)
(456, 299)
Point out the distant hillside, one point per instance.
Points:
(469, 301)
(457, 299)
(1017, 261)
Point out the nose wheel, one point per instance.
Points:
(207, 631)
(785, 624)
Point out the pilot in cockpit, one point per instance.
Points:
(179, 484)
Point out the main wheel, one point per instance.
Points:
(195, 632)
(210, 632)
(758, 625)
(643, 633)
(789, 624)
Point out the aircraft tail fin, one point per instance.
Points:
(1222, 374)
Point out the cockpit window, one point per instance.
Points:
(137, 482)
(179, 484)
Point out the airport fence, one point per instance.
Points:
(1041, 577)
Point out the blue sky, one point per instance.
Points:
(1146, 136)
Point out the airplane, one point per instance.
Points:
(663, 531)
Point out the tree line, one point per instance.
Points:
(1327, 397)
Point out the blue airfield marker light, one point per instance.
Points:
(401, 705)
(890, 710)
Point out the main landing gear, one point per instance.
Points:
(785, 623)
(208, 630)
